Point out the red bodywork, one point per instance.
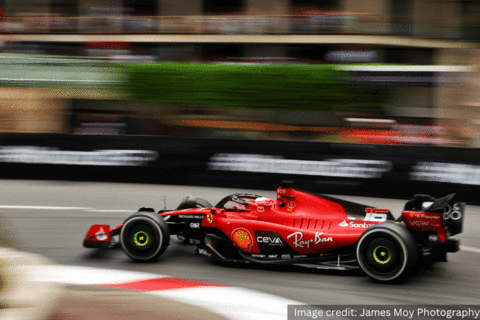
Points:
(299, 221)
(307, 223)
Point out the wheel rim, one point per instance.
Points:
(382, 258)
(382, 254)
(141, 238)
(401, 245)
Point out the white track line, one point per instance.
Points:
(21, 207)
(113, 210)
(86, 275)
(43, 207)
(471, 249)
(231, 302)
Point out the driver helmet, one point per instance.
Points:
(263, 201)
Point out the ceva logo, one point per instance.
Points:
(268, 240)
(343, 224)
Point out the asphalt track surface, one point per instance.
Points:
(52, 218)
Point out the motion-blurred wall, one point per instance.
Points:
(32, 110)
(410, 32)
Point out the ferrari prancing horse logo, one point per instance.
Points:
(210, 218)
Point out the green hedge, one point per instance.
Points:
(308, 87)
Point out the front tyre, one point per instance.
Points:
(386, 252)
(144, 236)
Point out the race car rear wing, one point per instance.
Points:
(443, 216)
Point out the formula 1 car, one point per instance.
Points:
(299, 228)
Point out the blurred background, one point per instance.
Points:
(347, 71)
(341, 96)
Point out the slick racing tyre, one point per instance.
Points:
(191, 203)
(144, 236)
(386, 252)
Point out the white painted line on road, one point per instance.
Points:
(64, 208)
(108, 210)
(232, 302)
(42, 207)
(85, 275)
(471, 249)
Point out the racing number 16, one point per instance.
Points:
(376, 215)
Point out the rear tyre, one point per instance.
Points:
(386, 252)
(190, 202)
(144, 236)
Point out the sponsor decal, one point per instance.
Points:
(189, 216)
(203, 252)
(352, 56)
(210, 218)
(298, 241)
(44, 155)
(261, 209)
(242, 238)
(446, 172)
(195, 225)
(360, 225)
(273, 256)
(300, 256)
(432, 237)
(255, 255)
(291, 205)
(348, 168)
(272, 241)
(420, 223)
(425, 216)
(101, 235)
(286, 256)
(343, 224)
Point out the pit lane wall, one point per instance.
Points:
(371, 170)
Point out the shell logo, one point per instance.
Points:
(242, 238)
(101, 235)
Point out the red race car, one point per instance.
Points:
(299, 228)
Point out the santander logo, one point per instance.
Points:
(352, 224)
(101, 235)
